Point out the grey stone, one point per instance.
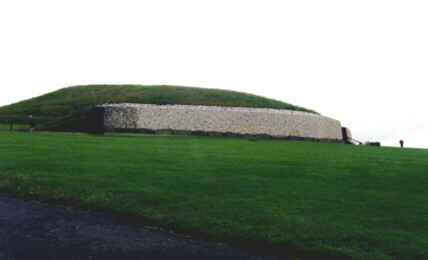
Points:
(222, 121)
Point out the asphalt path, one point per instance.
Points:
(31, 230)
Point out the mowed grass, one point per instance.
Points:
(296, 197)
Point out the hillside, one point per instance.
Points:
(284, 197)
(69, 104)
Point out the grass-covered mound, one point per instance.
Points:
(68, 106)
(302, 198)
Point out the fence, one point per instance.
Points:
(80, 119)
(12, 125)
(21, 124)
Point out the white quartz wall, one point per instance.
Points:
(245, 121)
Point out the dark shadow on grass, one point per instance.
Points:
(174, 133)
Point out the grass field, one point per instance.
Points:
(296, 198)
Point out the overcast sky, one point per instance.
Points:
(364, 63)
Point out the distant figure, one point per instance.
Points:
(31, 122)
(401, 143)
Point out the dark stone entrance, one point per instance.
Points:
(96, 121)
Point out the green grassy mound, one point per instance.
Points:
(67, 107)
(300, 199)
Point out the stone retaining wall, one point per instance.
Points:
(221, 120)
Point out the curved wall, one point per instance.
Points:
(231, 120)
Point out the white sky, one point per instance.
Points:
(362, 62)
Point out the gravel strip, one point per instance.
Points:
(30, 230)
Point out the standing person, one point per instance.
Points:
(31, 122)
(401, 143)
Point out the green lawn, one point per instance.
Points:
(323, 198)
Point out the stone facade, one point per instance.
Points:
(275, 123)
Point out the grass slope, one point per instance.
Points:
(71, 103)
(363, 202)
